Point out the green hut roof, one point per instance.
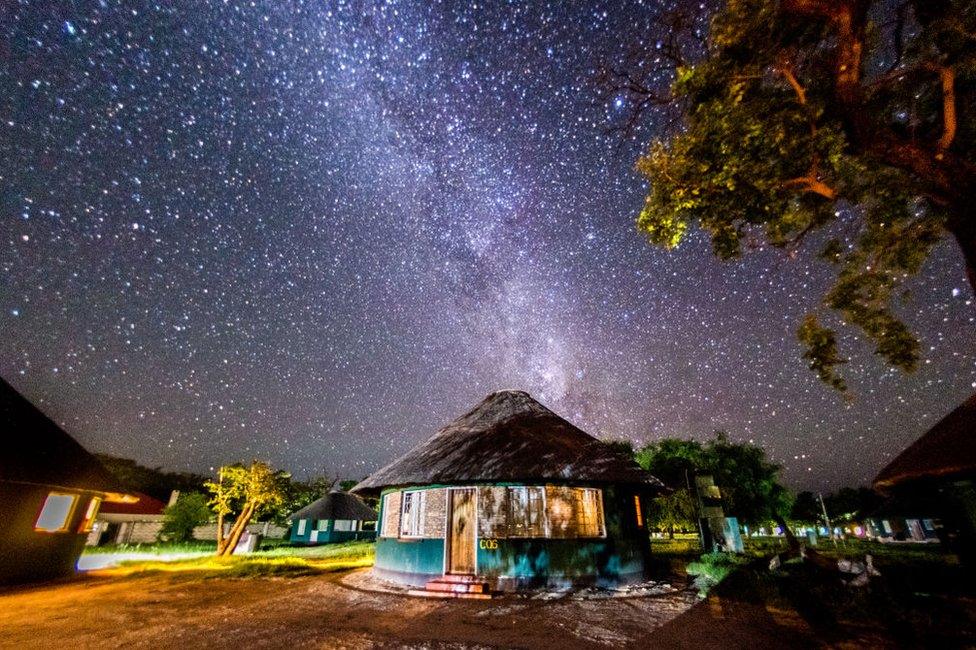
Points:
(336, 505)
(38, 451)
(946, 450)
(509, 436)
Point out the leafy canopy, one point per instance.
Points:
(852, 117)
(748, 480)
(179, 520)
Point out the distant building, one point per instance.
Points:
(129, 523)
(511, 496)
(938, 473)
(336, 517)
(50, 493)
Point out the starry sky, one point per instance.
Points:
(313, 232)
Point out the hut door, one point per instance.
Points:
(461, 553)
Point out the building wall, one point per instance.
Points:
(328, 535)
(516, 563)
(27, 555)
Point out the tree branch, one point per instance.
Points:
(948, 78)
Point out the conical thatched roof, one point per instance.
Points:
(948, 449)
(336, 505)
(509, 437)
(38, 451)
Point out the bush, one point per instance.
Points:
(711, 569)
(179, 519)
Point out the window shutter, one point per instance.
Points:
(435, 513)
(493, 512)
(391, 515)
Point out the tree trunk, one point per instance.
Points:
(220, 532)
(671, 532)
(238, 530)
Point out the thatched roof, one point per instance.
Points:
(38, 451)
(948, 449)
(509, 437)
(336, 505)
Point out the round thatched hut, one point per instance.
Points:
(511, 496)
(336, 517)
(937, 475)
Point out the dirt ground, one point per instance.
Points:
(324, 611)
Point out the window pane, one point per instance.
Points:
(301, 526)
(527, 512)
(323, 524)
(344, 525)
(413, 514)
(90, 513)
(54, 515)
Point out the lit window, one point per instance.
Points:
(412, 519)
(55, 513)
(527, 511)
(89, 521)
(637, 509)
(344, 525)
(588, 512)
(323, 524)
(301, 526)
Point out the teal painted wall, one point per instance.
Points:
(327, 536)
(621, 557)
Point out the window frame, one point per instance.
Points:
(68, 516)
(91, 513)
(545, 532)
(412, 528)
(302, 525)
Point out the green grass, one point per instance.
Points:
(277, 561)
(156, 548)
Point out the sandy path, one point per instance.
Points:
(180, 610)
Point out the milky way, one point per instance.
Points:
(314, 232)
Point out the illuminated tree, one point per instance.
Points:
(246, 490)
(850, 117)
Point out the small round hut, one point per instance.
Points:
(336, 517)
(511, 496)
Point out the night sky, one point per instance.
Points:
(314, 232)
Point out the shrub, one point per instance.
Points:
(179, 519)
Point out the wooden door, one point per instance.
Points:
(461, 538)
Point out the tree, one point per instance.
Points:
(246, 490)
(155, 482)
(179, 520)
(849, 117)
(748, 480)
(675, 510)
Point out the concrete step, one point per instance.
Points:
(457, 587)
(457, 584)
(423, 593)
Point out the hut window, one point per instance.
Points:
(588, 512)
(323, 524)
(527, 512)
(301, 526)
(637, 509)
(89, 521)
(55, 513)
(391, 515)
(412, 518)
(344, 525)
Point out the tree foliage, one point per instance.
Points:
(154, 481)
(179, 520)
(673, 511)
(851, 117)
(749, 482)
(247, 490)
